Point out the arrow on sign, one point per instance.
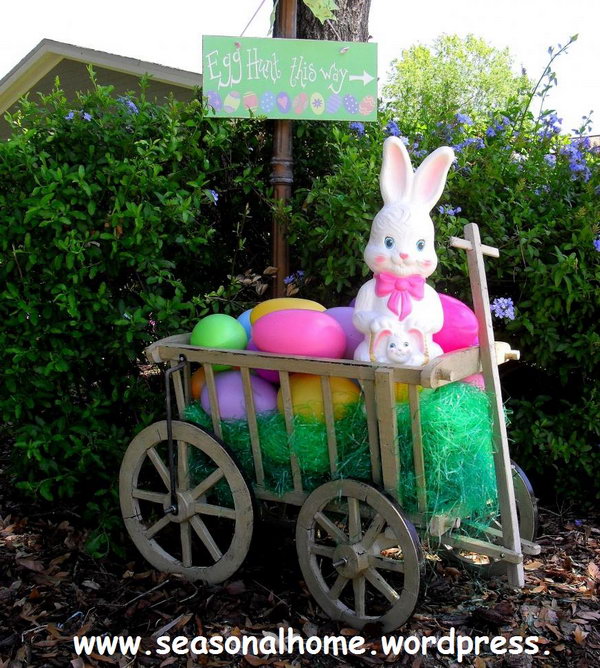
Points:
(365, 77)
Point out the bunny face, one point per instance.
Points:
(402, 235)
(399, 350)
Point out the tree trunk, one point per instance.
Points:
(351, 22)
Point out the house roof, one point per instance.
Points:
(50, 59)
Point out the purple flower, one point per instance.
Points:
(503, 307)
(477, 142)
(550, 159)
(550, 125)
(70, 116)
(597, 244)
(542, 189)
(463, 119)
(392, 129)
(86, 116)
(215, 195)
(574, 151)
(357, 127)
(129, 104)
(292, 278)
(449, 210)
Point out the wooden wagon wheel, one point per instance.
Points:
(527, 512)
(209, 537)
(360, 556)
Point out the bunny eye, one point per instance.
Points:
(389, 243)
(406, 344)
(421, 244)
(392, 345)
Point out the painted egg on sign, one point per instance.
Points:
(251, 101)
(283, 102)
(300, 103)
(317, 103)
(334, 102)
(367, 105)
(213, 99)
(232, 102)
(350, 104)
(267, 101)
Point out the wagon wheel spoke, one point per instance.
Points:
(338, 586)
(380, 584)
(205, 536)
(183, 471)
(157, 526)
(354, 526)
(393, 565)
(186, 544)
(358, 584)
(215, 511)
(322, 550)
(334, 531)
(160, 467)
(146, 495)
(208, 483)
(375, 528)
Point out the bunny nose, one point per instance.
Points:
(404, 256)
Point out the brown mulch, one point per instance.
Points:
(51, 590)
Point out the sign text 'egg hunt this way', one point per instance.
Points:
(290, 78)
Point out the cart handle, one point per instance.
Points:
(456, 242)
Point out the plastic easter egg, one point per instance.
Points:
(476, 380)
(343, 314)
(281, 303)
(300, 103)
(197, 382)
(283, 102)
(268, 374)
(350, 104)
(213, 99)
(334, 102)
(267, 101)
(352, 303)
(300, 332)
(244, 321)
(367, 105)
(402, 392)
(251, 101)
(307, 396)
(232, 102)
(230, 395)
(219, 331)
(317, 103)
(460, 328)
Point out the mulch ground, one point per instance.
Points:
(51, 590)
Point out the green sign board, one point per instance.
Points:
(290, 78)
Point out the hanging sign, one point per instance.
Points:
(290, 78)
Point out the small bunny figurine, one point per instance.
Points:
(397, 347)
(401, 252)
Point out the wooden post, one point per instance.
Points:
(282, 175)
(502, 465)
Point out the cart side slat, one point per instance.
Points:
(417, 444)
(371, 407)
(253, 427)
(214, 403)
(288, 412)
(385, 399)
(329, 423)
(178, 384)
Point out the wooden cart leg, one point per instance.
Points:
(502, 464)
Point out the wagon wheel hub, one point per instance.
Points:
(350, 560)
(185, 507)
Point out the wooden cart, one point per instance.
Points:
(360, 553)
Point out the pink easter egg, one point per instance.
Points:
(300, 332)
(476, 380)
(268, 374)
(343, 315)
(251, 101)
(283, 102)
(366, 105)
(230, 395)
(460, 328)
(300, 102)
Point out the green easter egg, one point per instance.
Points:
(219, 331)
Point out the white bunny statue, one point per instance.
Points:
(401, 253)
(398, 347)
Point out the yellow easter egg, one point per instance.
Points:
(402, 392)
(317, 103)
(307, 396)
(283, 303)
(232, 102)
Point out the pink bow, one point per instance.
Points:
(399, 288)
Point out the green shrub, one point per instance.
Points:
(120, 221)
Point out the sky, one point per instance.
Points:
(170, 33)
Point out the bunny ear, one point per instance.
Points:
(430, 177)
(396, 178)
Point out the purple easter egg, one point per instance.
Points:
(343, 315)
(352, 303)
(230, 395)
(268, 374)
(267, 101)
(334, 102)
(283, 102)
(351, 104)
(213, 99)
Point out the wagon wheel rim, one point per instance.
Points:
(199, 555)
(359, 558)
(527, 512)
